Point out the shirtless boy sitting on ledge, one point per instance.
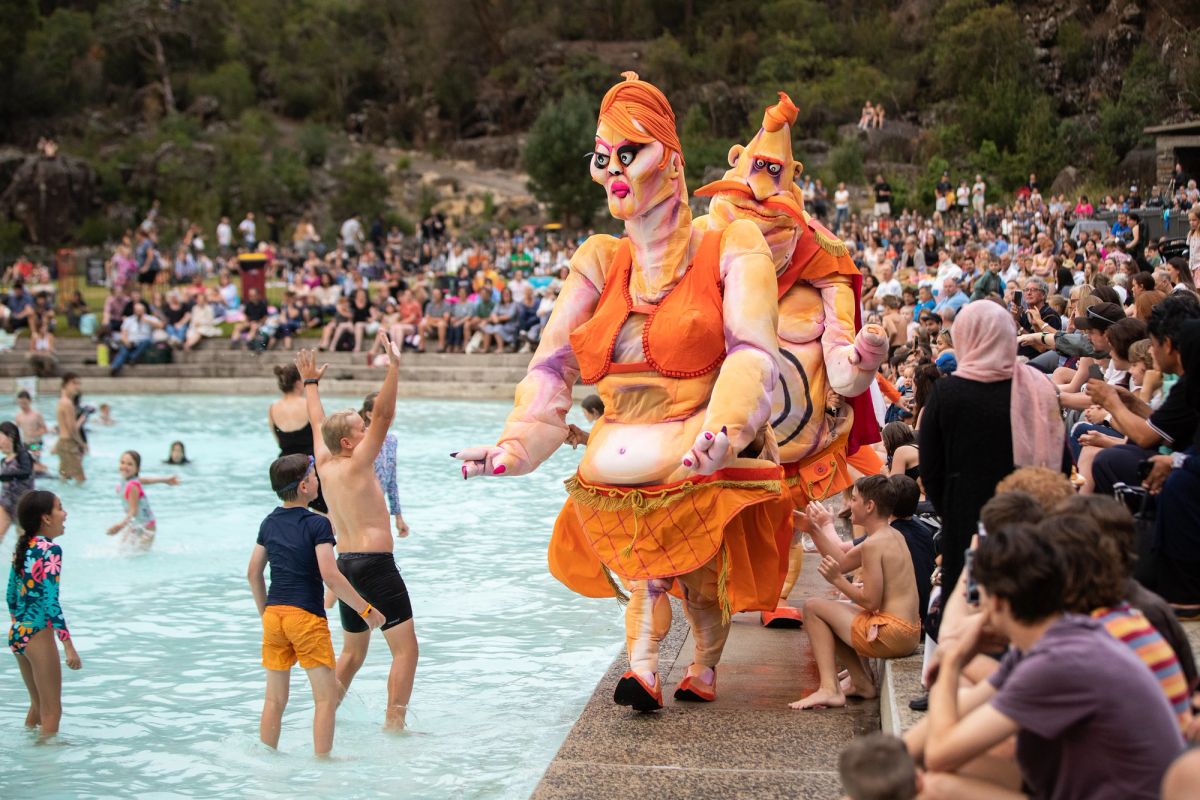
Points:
(882, 619)
(345, 452)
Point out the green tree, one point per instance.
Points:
(362, 188)
(554, 158)
(53, 71)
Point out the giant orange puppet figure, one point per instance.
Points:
(679, 489)
(821, 359)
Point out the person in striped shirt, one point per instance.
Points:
(1096, 585)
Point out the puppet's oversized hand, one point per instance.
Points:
(491, 460)
(710, 452)
(870, 348)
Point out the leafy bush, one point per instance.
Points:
(313, 141)
(230, 83)
(846, 161)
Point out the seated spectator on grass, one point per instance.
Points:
(481, 316)
(545, 307)
(365, 315)
(877, 767)
(882, 619)
(325, 296)
(137, 332)
(341, 325)
(230, 298)
(176, 317)
(256, 312)
(435, 320)
(500, 329)
(20, 307)
(411, 312)
(203, 323)
(461, 311)
(42, 355)
(1055, 690)
(291, 321)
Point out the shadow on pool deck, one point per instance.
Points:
(747, 744)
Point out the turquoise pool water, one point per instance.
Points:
(167, 702)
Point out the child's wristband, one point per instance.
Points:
(366, 611)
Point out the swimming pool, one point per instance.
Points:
(168, 699)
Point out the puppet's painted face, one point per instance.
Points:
(629, 172)
(760, 186)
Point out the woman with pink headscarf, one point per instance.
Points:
(988, 418)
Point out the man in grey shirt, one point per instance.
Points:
(1091, 720)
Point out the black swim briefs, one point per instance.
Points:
(375, 577)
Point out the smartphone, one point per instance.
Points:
(972, 585)
(1019, 299)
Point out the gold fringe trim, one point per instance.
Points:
(723, 586)
(830, 244)
(642, 502)
(618, 592)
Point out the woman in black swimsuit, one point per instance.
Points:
(288, 418)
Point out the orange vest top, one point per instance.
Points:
(684, 334)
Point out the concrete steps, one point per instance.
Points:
(215, 369)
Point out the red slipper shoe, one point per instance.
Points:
(782, 617)
(633, 691)
(694, 690)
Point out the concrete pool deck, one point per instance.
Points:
(746, 744)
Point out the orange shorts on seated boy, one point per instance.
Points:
(298, 545)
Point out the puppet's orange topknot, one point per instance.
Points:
(634, 99)
(783, 112)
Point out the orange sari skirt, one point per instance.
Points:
(741, 514)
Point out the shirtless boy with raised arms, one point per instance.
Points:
(881, 621)
(345, 452)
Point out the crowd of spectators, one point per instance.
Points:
(430, 290)
(1040, 383)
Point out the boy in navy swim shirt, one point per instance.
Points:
(298, 545)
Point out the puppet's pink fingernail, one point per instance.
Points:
(500, 470)
(687, 462)
(708, 436)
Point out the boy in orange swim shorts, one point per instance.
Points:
(298, 545)
(882, 619)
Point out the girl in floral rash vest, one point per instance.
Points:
(34, 607)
